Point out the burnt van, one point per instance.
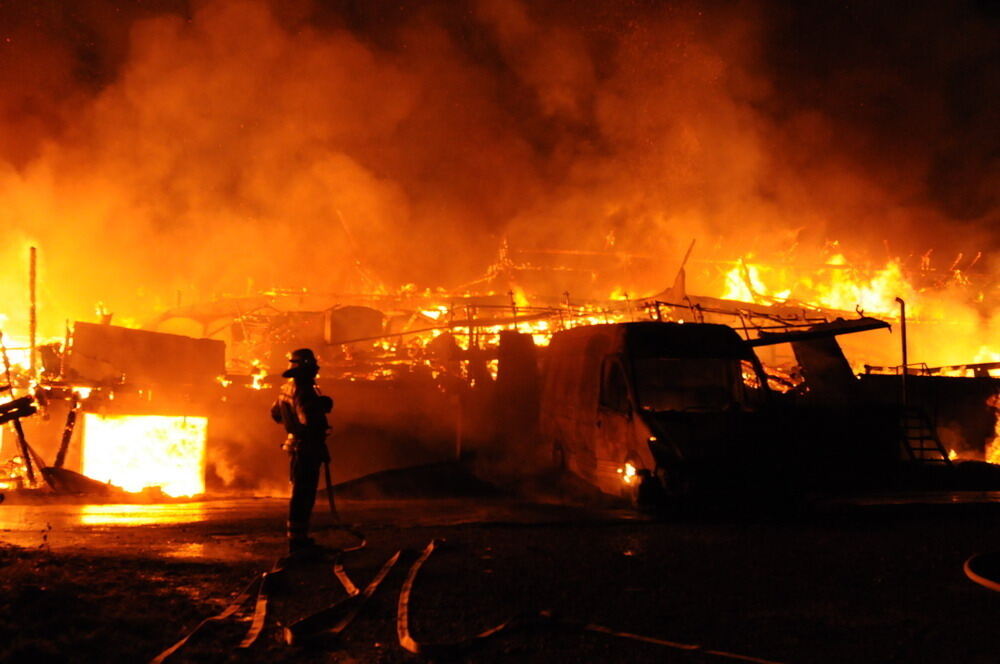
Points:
(672, 404)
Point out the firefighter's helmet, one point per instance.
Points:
(299, 361)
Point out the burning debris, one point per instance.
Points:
(165, 410)
(126, 408)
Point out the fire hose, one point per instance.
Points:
(338, 616)
(264, 584)
(334, 619)
(232, 608)
(541, 618)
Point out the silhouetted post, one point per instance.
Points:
(902, 327)
(513, 307)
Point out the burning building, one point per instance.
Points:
(268, 176)
(417, 376)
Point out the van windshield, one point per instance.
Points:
(693, 383)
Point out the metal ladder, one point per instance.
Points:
(920, 439)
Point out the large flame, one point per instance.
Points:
(139, 451)
(836, 284)
(951, 322)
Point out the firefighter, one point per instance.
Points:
(302, 410)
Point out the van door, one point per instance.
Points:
(614, 425)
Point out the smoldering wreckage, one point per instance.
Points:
(675, 399)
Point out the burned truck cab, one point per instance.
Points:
(627, 403)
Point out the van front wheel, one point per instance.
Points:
(675, 484)
(646, 493)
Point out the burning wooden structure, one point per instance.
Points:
(421, 376)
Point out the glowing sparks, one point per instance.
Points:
(140, 451)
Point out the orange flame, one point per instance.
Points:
(949, 324)
(140, 451)
(837, 286)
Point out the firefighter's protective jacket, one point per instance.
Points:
(302, 409)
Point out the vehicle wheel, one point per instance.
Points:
(647, 493)
(675, 486)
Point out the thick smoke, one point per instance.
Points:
(176, 150)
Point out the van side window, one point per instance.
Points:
(752, 392)
(614, 390)
(749, 375)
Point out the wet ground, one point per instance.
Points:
(867, 580)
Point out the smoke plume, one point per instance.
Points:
(184, 150)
